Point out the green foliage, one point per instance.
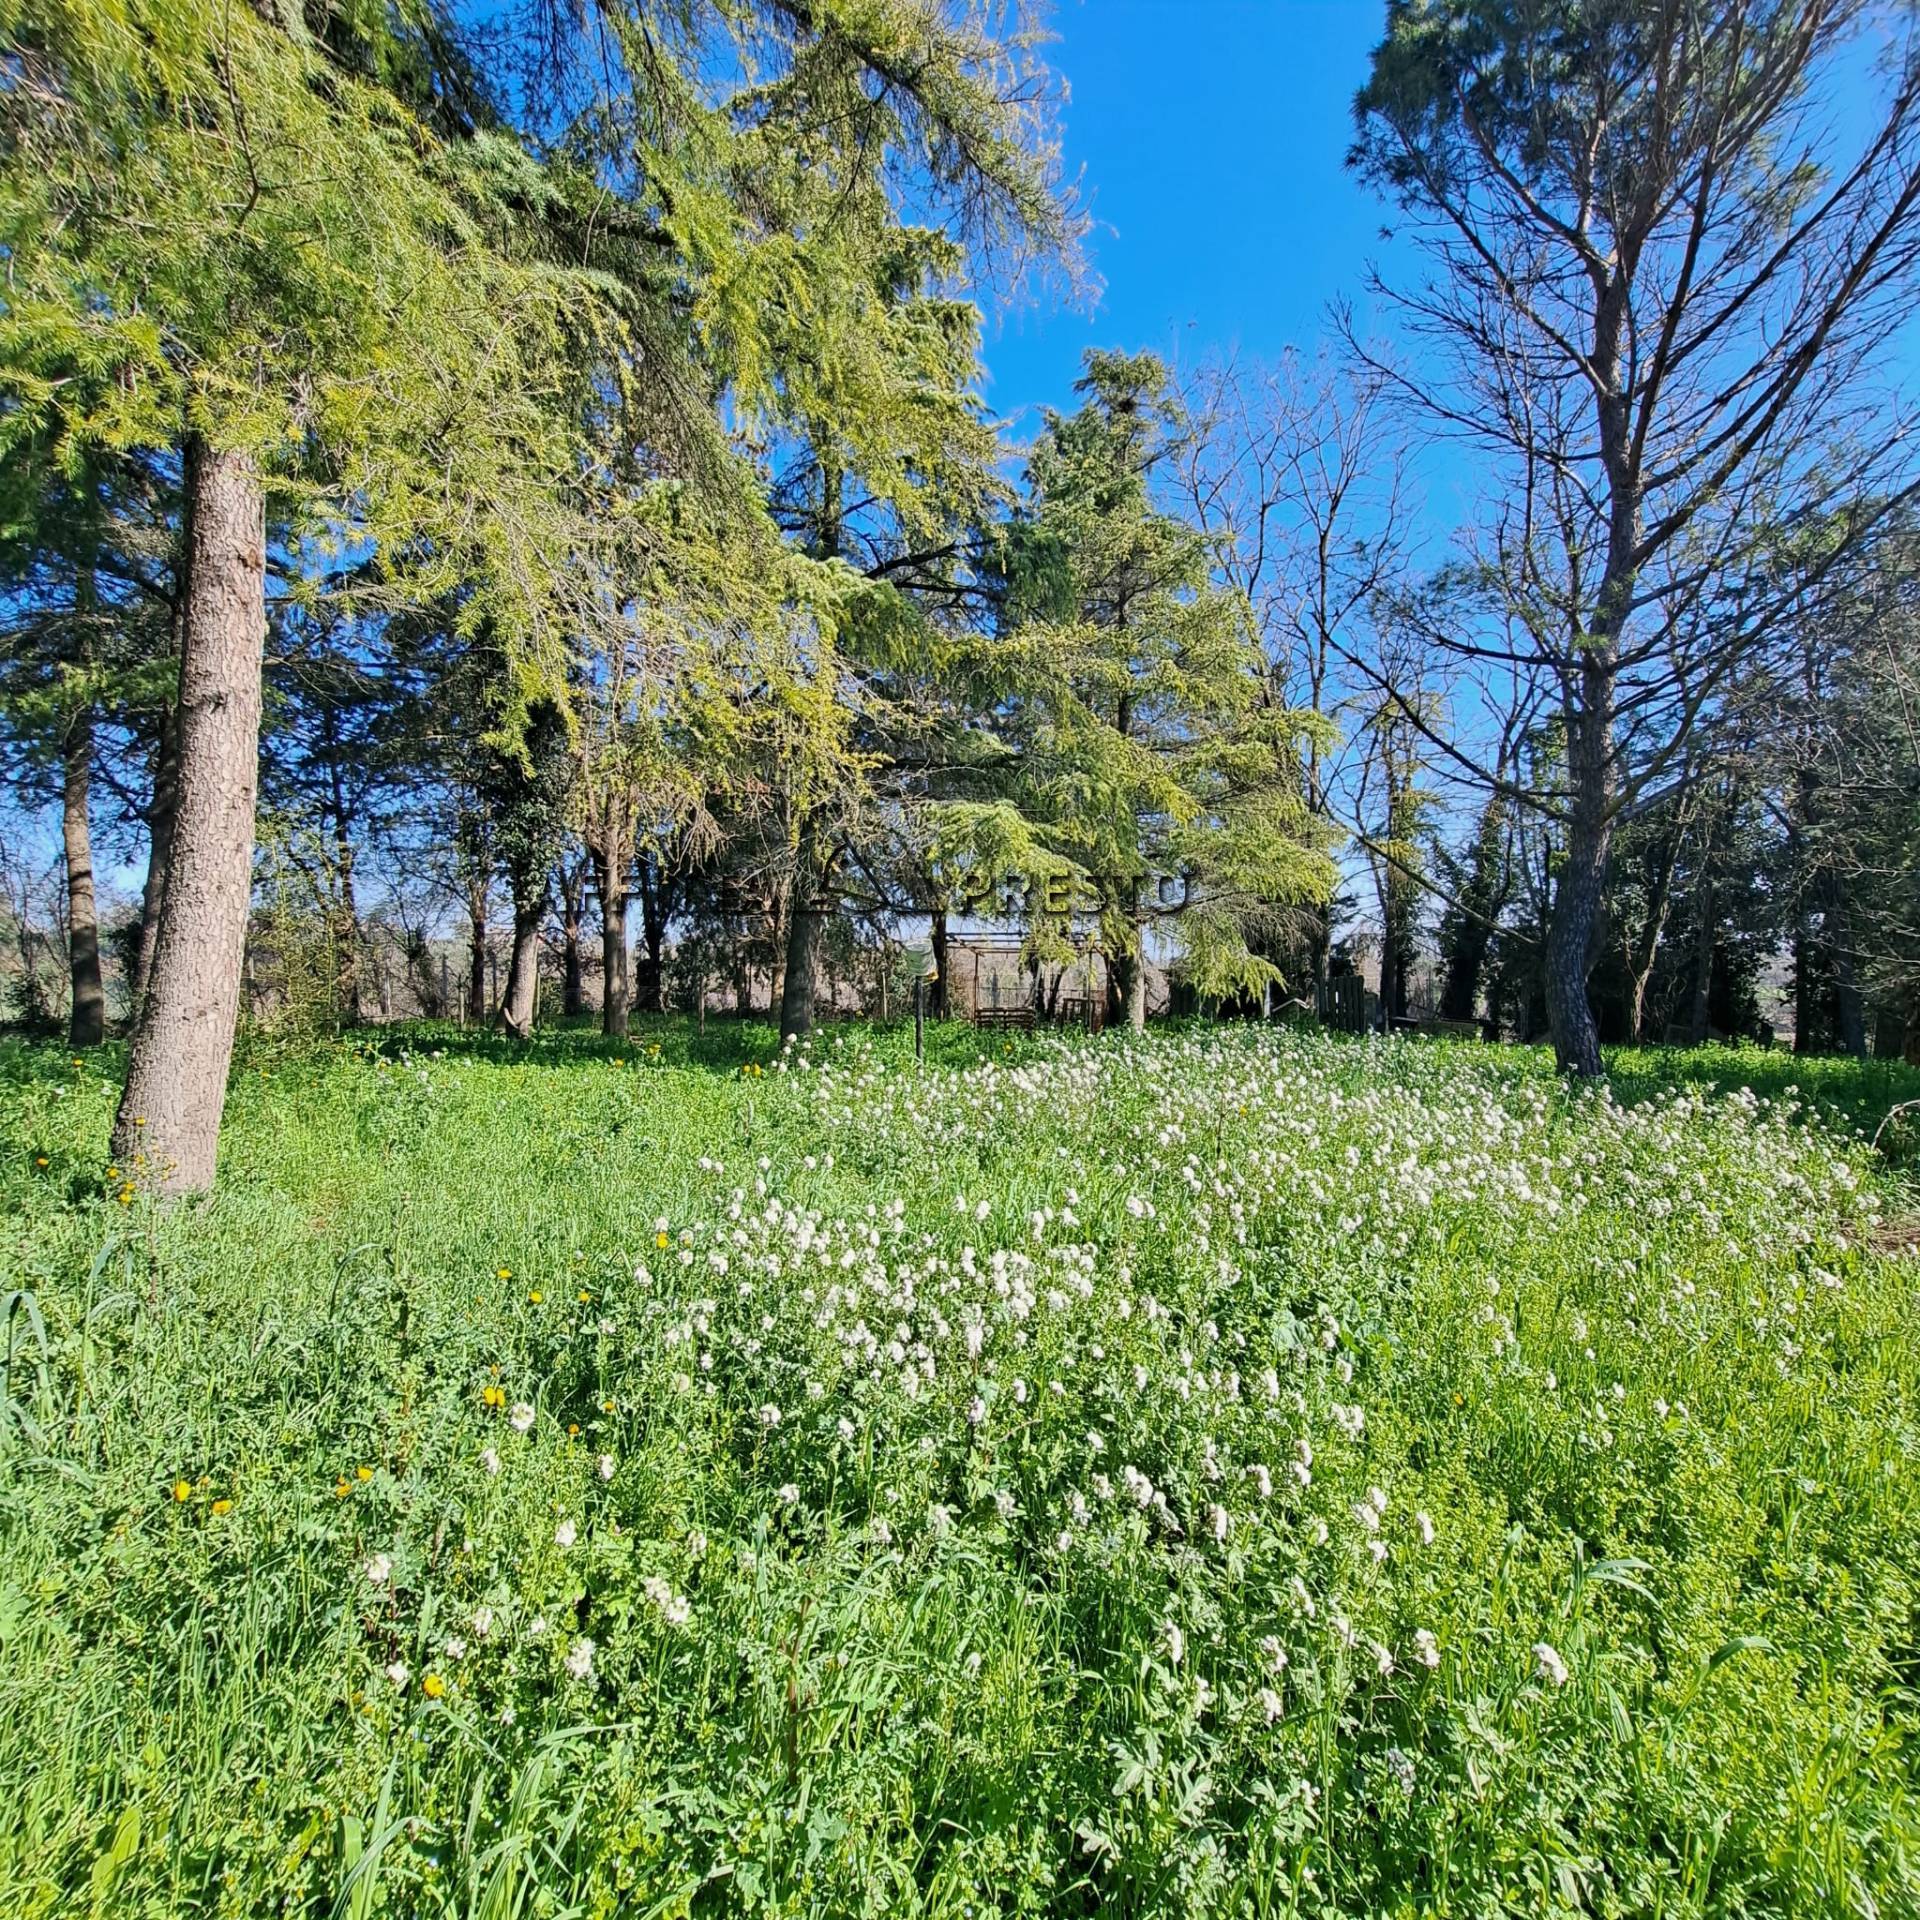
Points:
(992, 1618)
(1137, 703)
(212, 225)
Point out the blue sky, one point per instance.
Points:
(1210, 136)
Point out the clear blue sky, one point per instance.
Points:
(1209, 136)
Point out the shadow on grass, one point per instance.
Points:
(1863, 1096)
(722, 1045)
(1856, 1095)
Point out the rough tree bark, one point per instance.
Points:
(1137, 993)
(937, 1001)
(521, 999)
(1592, 771)
(160, 817)
(573, 976)
(610, 882)
(87, 1026)
(804, 917)
(477, 957)
(168, 1126)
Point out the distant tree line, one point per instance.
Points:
(523, 469)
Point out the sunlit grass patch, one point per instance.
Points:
(1237, 1472)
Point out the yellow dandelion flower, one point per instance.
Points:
(660, 1240)
(223, 1506)
(433, 1686)
(363, 1473)
(536, 1296)
(40, 1160)
(182, 1491)
(573, 1430)
(506, 1273)
(342, 1487)
(583, 1294)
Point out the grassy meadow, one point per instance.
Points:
(1239, 1473)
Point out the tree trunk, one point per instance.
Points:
(610, 881)
(804, 917)
(88, 1024)
(519, 1003)
(429, 988)
(779, 933)
(652, 985)
(1637, 1007)
(1640, 963)
(347, 930)
(1698, 1017)
(1804, 982)
(477, 958)
(573, 972)
(653, 962)
(345, 907)
(160, 816)
(1460, 995)
(937, 1000)
(1849, 1004)
(1137, 984)
(1583, 873)
(168, 1127)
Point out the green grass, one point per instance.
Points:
(1610, 1412)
